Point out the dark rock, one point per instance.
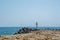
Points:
(25, 30)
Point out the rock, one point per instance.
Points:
(23, 30)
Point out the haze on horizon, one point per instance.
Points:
(27, 12)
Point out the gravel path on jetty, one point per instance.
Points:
(34, 35)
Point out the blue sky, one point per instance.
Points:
(27, 12)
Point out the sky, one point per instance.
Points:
(26, 12)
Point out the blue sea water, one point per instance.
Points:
(12, 30)
(8, 30)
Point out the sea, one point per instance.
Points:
(12, 30)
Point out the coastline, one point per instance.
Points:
(34, 35)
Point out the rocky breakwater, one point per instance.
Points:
(25, 30)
